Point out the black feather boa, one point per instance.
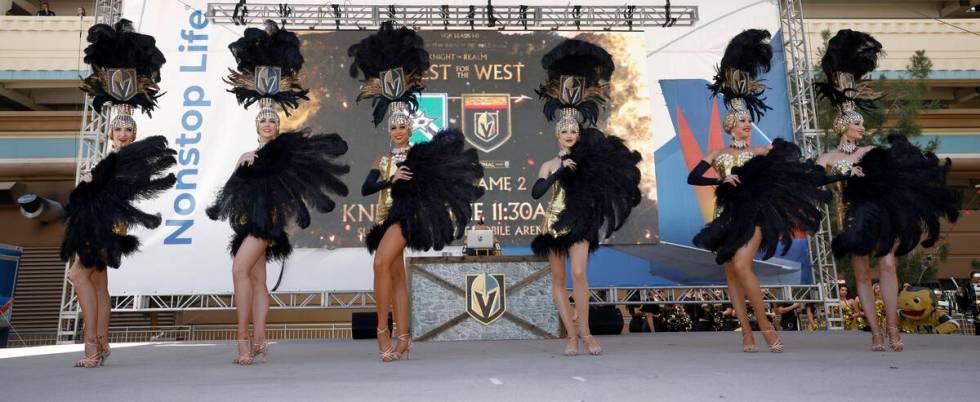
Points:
(777, 192)
(599, 194)
(434, 207)
(290, 173)
(903, 191)
(95, 207)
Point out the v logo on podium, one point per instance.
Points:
(486, 297)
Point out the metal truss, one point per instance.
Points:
(92, 146)
(804, 113)
(679, 295)
(348, 16)
(226, 301)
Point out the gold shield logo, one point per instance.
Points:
(122, 83)
(267, 80)
(486, 297)
(571, 89)
(393, 83)
(486, 125)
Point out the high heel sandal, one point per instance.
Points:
(244, 360)
(406, 338)
(877, 342)
(104, 350)
(386, 355)
(90, 361)
(571, 347)
(260, 350)
(895, 339)
(747, 347)
(594, 348)
(777, 345)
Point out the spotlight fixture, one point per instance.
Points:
(336, 13)
(241, 11)
(522, 13)
(444, 13)
(577, 16)
(628, 14)
(491, 20)
(44, 210)
(470, 16)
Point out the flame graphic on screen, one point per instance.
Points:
(629, 116)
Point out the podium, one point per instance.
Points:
(481, 298)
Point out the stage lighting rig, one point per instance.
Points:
(336, 13)
(444, 13)
(628, 14)
(241, 11)
(522, 13)
(669, 21)
(470, 16)
(491, 20)
(577, 16)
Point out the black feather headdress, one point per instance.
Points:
(747, 56)
(268, 63)
(392, 62)
(578, 81)
(125, 67)
(850, 56)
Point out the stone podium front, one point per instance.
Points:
(481, 298)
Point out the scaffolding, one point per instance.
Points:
(804, 112)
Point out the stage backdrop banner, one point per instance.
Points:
(476, 76)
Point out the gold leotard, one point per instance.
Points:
(388, 165)
(842, 167)
(555, 206)
(725, 162)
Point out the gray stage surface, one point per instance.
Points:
(668, 366)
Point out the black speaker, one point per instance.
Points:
(605, 320)
(364, 325)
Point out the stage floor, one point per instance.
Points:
(667, 366)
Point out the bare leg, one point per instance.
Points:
(560, 294)
(100, 280)
(81, 279)
(742, 263)
(260, 300)
(738, 304)
(399, 292)
(578, 254)
(888, 280)
(862, 279)
(391, 246)
(248, 253)
(649, 317)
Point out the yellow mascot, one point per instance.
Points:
(917, 313)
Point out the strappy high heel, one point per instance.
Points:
(594, 348)
(571, 347)
(386, 355)
(895, 339)
(90, 361)
(104, 350)
(244, 360)
(406, 338)
(777, 345)
(748, 347)
(877, 342)
(260, 350)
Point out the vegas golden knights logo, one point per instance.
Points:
(486, 120)
(486, 297)
(571, 89)
(486, 125)
(122, 83)
(267, 80)
(393, 83)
